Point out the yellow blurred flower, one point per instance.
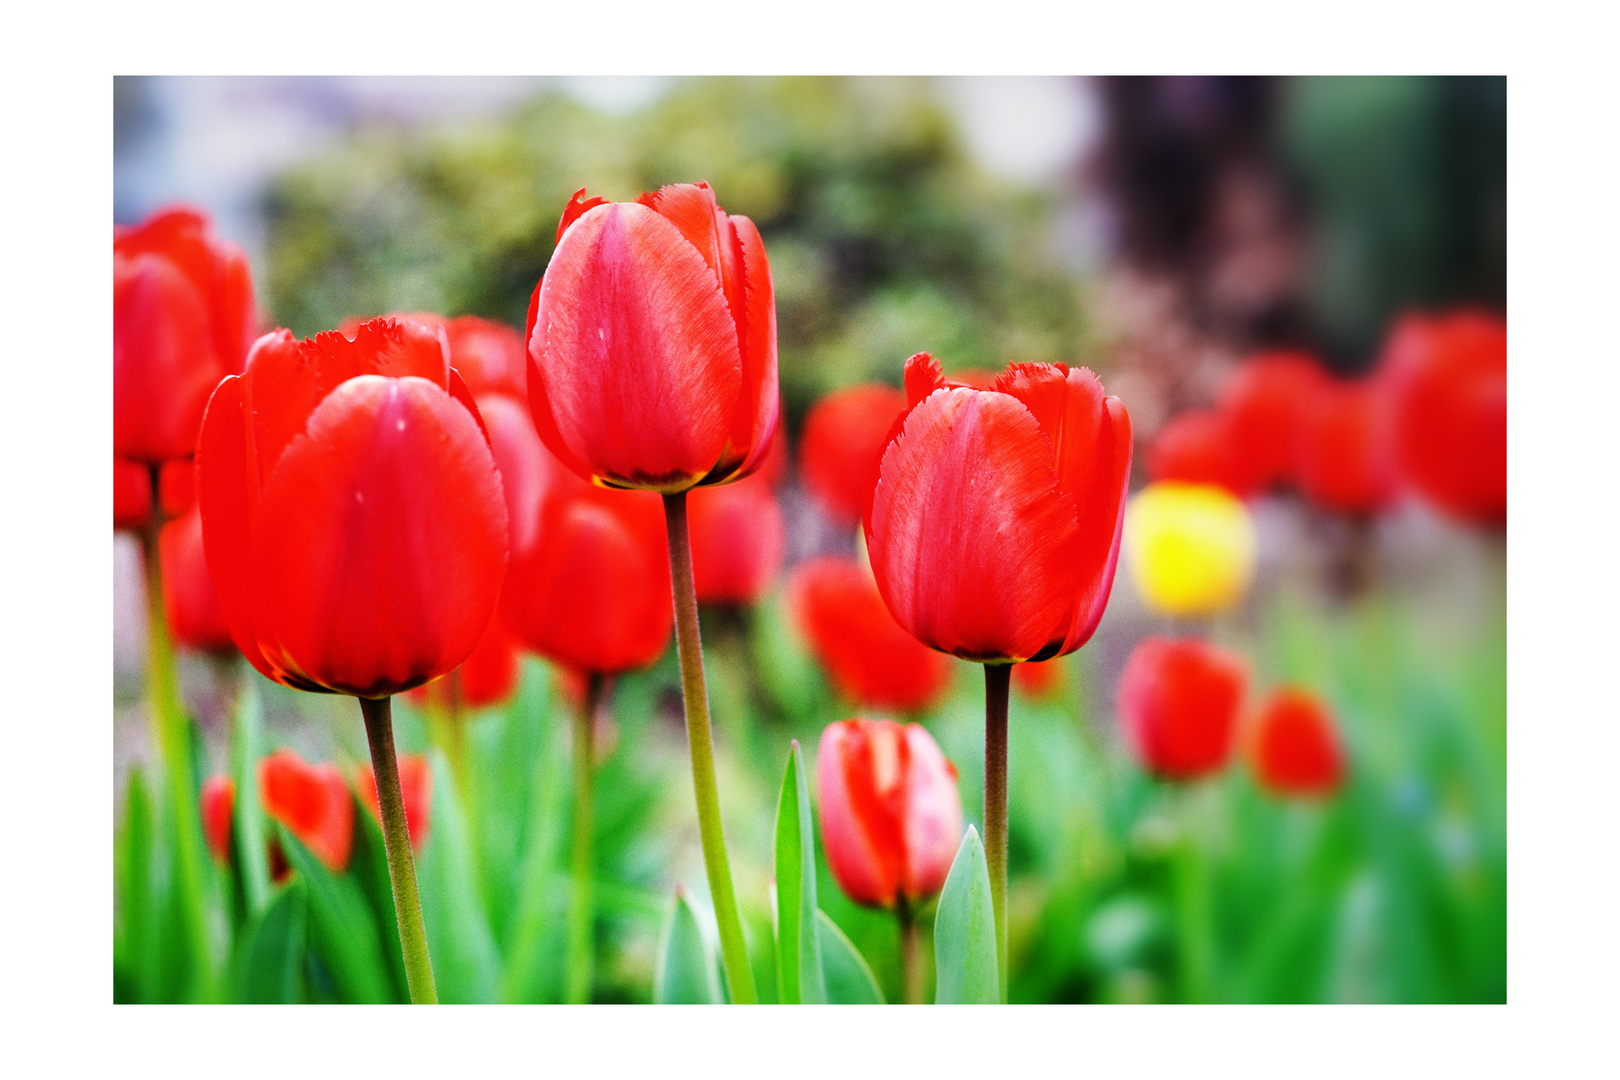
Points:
(1190, 547)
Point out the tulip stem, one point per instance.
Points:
(379, 717)
(911, 972)
(171, 732)
(580, 960)
(700, 741)
(997, 679)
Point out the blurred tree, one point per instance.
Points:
(883, 237)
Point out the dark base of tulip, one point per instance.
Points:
(581, 917)
(997, 680)
(379, 717)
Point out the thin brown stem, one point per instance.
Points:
(997, 680)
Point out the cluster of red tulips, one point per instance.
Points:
(407, 503)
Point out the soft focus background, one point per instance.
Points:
(1158, 230)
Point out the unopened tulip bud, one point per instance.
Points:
(218, 802)
(1178, 705)
(313, 802)
(1294, 746)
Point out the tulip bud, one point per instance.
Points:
(415, 791)
(1345, 459)
(1191, 548)
(891, 816)
(1199, 448)
(1263, 401)
(313, 802)
(842, 445)
(1293, 745)
(217, 802)
(1178, 704)
(189, 602)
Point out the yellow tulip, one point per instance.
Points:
(1191, 547)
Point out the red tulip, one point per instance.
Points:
(1345, 457)
(1178, 704)
(182, 320)
(217, 802)
(1038, 680)
(489, 355)
(994, 528)
(891, 817)
(1293, 746)
(487, 677)
(177, 487)
(313, 802)
(869, 657)
(132, 494)
(652, 342)
(844, 436)
(737, 539)
(415, 791)
(1199, 447)
(1263, 400)
(1450, 379)
(975, 378)
(189, 601)
(352, 513)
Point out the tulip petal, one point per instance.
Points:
(1101, 500)
(974, 548)
(571, 213)
(691, 209)
(380, 540)
(931, 815)
(752, 299)
(866, 859)
(923, 377)
(159, 386)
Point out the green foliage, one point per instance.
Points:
(965, 931)
(798, 950)
(686, 969)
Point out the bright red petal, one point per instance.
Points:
(571, 213)
(752, 299)
(164, 364)
(190, 602)
(844, 437)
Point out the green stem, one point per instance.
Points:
(997, 679)
(1195, 965)
(700, 741)
(171, 732)
(581, 916)
(911, 970)
(379, 717)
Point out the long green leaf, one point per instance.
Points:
(341, 927)
(965, 931)
(247, 747)
(798, 944)
(138, 904)
(466, 966)
(271, 958)
(849, 978)
(686, 973)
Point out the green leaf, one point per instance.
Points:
(965, 931)
(848, 977)
(537, 923)
(247, 747)
(138, 903)
(798, 945)
(686, 973)
(342, 928)
(466, 965)
(270, 962)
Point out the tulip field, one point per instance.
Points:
(635, 645)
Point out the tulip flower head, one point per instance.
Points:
(1345, 458)
(1264, 402)
(1293, 745)
(132, 494)
(353, 517)
(217, 802)
(1040, 680)
(994, 527)
(487, 677)
(652, 342)
(415, 789)
(1191, 548)
(737, 540)
(1178, 703)
(869, 657)
(312, 802)
(1199, 447)
(842, 445)
(189, 601)
(891, 816)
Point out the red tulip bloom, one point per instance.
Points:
(869, 657)
(217, 802)
(352, 512)
(1038, 680)
(189, 601)
(1293, 746)
(1263, 400)
(844, 436)
(132, 494)
(487, 677)
(994, 528)
(415, 791)
(1450, 379)
(652, 342)
(891, 817)
(1178, 705)
(975, 378)
(1199, 447)
(737, 540)
(313, 802)
(489, 355)
(1345, 457)
(182, 320)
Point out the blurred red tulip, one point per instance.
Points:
(487, 677)
(652, 342)
(842, 444)
(994, 528)
(869, 657)
(182, 320)
(891, 817)
(1293, 746)
(415, 791)
(217, 801)
(973, 378)
(489, 355)
(1345, 457)
(353, 516)
(132, 494)
(313, 802)
(1199, 447)
(189, 601)
(1450, 378)
(1038, 680)
(177, 486)
(737, 540)
(1263, 401)
(1178, 704)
